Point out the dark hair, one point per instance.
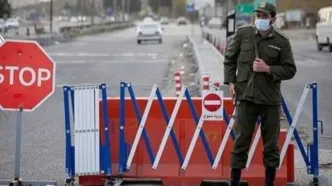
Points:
(273, 14)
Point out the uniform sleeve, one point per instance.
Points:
(230, 60)
(287, 69)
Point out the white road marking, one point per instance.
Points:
(61, 62)
(82, 54)
(212, 102)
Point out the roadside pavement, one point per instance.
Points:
(209, 61)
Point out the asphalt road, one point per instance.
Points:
(107, 58)
(312, 66)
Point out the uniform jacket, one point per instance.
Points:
(274, 49)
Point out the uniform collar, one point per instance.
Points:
(270, 34)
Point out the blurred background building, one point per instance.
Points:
(291, 13)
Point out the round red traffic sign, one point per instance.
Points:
(212, 102)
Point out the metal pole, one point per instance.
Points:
(128, 7)
(192, 24)
(1, 39)
(51, 16)
(92, 11)
(114, 8)
(18, 145)
(123, 10)
(229, 5)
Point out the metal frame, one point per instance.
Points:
(311, 157)
(125, 158)
(124, 162)
(69, 95)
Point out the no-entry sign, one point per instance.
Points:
(212, 105)
(27, 75)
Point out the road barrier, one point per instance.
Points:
(178, 147)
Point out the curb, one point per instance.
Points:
(201, 67)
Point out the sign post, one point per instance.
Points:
(27, 77)
(212, 105)
(230, 23)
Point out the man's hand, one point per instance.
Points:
(231, 89)
(260, 66)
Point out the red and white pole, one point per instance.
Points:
(216, 86)
(178, 84)
(206, 82)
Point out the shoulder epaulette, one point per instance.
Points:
(281, 34)
(246, 26)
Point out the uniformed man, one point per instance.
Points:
(262, 58)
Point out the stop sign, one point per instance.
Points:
(27, 75)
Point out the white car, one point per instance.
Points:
(324, 29)
(12, 23)
(149, 31)
(164, 20)
(148, 19)
(182, 21)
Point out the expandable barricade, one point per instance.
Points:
(158, 138)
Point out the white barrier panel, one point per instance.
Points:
(224, 140)
(169, 127)
(141, 126)
(86, 130)
(293, 125)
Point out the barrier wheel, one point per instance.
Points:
(315, 182)
(70, 182)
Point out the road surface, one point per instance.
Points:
(107, 58)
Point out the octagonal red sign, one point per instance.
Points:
(27, 75)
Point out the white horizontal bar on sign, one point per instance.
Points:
(212, 102)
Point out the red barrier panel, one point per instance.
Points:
(169, 169)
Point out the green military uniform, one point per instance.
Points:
(258, 93)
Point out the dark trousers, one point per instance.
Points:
(247, 115)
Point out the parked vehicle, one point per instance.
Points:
(164, 21)
(215, 23)
(182, 21)
(324, 29)
(12, 23)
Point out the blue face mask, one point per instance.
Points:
(262, 24)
